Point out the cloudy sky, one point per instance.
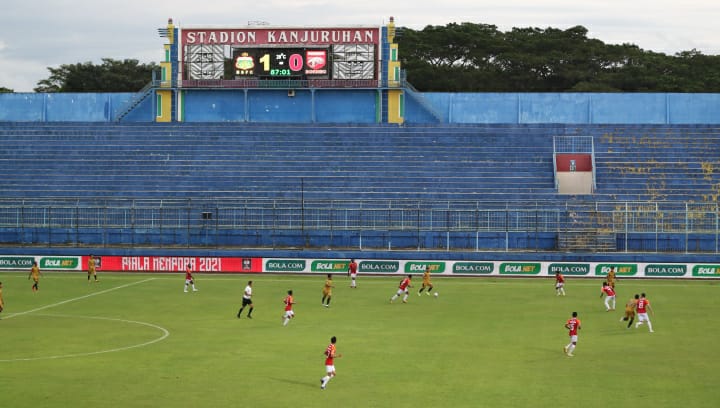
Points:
(37, 34)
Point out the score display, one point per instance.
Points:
(281, 63)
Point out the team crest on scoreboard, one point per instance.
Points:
(316, 61)
(244, 64)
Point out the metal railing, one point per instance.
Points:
(449, 225)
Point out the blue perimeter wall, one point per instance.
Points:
(358, 106)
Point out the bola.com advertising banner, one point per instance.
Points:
(493, 268)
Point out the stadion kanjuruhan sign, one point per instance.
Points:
(280, 36)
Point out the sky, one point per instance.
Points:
(37, 34)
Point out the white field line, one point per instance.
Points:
(165, 334)
(9, 316)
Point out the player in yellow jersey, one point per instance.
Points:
(610, 278)
(426, 282)
(327, 291)
(630, 307)
(35, 275)
(91, 268)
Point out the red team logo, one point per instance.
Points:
(316, 60)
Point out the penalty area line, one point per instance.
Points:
(11, 315)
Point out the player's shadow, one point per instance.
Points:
(294, 382)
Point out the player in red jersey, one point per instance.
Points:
(609, 298)
(643, 306)
(559, 284)
(352, 271)
(289, 302)
(189, 279)
(573, 325)
(403, 289)
(330, 356)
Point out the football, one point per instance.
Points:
(435, 294)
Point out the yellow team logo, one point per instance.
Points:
(244, 64)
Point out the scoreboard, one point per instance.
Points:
(280, 53)
(296, 63)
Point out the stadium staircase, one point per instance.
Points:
(136, 100)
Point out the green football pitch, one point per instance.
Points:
(136, 340)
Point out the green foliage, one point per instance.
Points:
(484, 341)
(111, 76)
(470, 57)
(6, 90)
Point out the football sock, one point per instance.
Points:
(250, 311)
(571, 348)
(328, 300)
(285, 322)
(631, 321)
(650, 326)
(240, 311)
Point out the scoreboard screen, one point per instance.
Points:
(276, 53)
(296, 63)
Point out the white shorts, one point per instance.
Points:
(353, 275)
(289, 313)
(188, 281)
(643, 317)
(559, 285)
(573, 339)
(330, 369)
(402, 292)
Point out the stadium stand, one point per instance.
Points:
(472, 185)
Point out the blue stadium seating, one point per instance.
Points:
(341, 162)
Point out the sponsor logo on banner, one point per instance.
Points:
(59, 263)
(285, 265)
(665, 270)
(706, 270)
(379, 266)
(519, 268)
(329, 266)
(419, 267)
(473, 267)
(12, 262)
(620, 269)
(569, 269)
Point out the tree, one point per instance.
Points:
(470, 57)
(5, 90)
(111, 76)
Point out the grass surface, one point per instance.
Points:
(136, 340)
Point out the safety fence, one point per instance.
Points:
(447, 225)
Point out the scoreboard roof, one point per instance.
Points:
(279, 36)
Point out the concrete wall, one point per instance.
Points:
(63, 107)
(361, 106)
(577, 108)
